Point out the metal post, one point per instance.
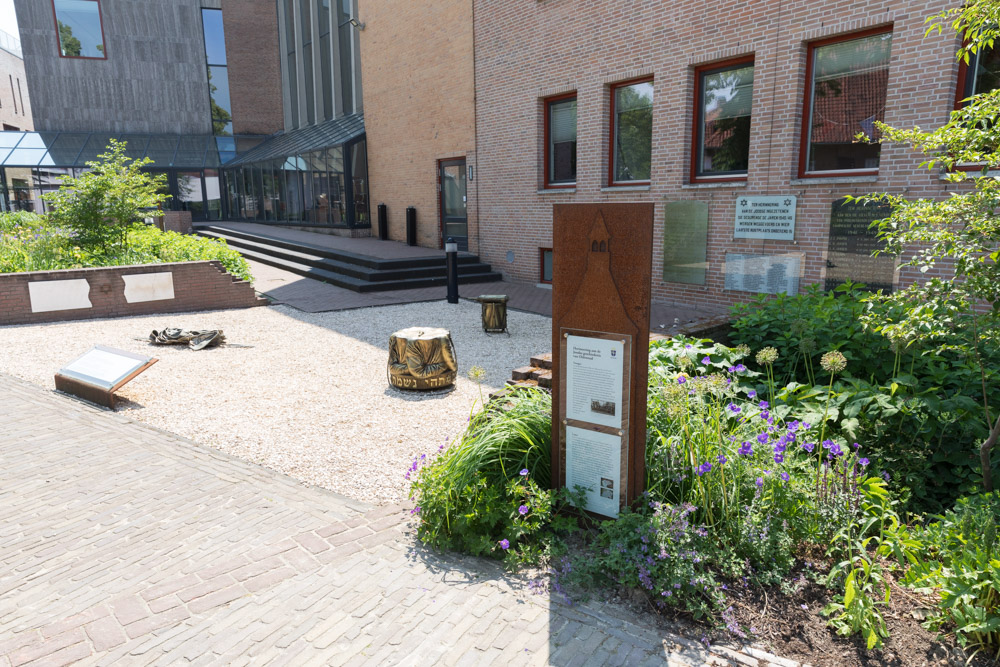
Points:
(411, 226)
(383, 223)
(451, 250)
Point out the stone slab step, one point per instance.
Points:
(542, 360)
(523, 373)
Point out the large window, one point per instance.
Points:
(980, 75)
(631, 132)
(560, 141)
(847, 78)
(81, 34)
(218, 72)
(723, 100)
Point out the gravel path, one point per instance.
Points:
(308, 396)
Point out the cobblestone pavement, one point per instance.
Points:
(123, 544)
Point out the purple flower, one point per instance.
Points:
(759, 482)
(856, 446)
(764, 405)
(731, 369)
(762, 438)
(735, 409)
(885, 475)
(687, 346)
(827, 444)
(746, 449)
(793, 426)
(785, 476)
(524, 472)
(779, 458)
(415, 510)
(704, 468)
(752, 394)
(740, 368)
(681, 379)
(721, 459)
(808, 446)
(835, 450)
(523, 509)
(706, 360)
(504, 544)
(863, 462)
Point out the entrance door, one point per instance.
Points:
(454, 220)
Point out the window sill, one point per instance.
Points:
(543, 285)
(626, 188)
(834, 179)
(714, 184)
(556, 191)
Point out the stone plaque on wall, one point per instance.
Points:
(852, 242)
(763, 274)
(771, 217)
(685, 242)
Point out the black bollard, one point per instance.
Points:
(383, 223)
(411, 226)
(451, 250)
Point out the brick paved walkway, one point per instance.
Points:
(122, 544)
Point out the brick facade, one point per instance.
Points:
(419, 98)
(526, 52)
(254, 66)
(15, 106)
(197, 286)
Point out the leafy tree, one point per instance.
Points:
(99, 205)
(71, 46)
(960, 233)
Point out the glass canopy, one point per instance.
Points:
(75, 149)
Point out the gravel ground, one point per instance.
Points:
(308, 396)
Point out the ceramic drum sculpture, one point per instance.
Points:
(422, 358)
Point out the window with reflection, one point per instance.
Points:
(632, 134)
(81, 34)
(723, 99)
(560, 147)
(980, 75)
(846, 95)
(218, 72)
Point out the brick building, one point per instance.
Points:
(707, 110)
(420, 115)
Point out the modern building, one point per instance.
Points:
(227, 97)
(417, 65)
(15, 115)
(739, 121)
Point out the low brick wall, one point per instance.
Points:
(120, 291)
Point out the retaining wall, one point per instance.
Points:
(120, 291)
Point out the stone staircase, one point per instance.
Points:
(537, 374)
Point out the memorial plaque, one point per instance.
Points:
(602, 265)
(685, 242)
(771, 217)
(852, 242)
(763, 274)
(96, 375)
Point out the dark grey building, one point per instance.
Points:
(251, 107)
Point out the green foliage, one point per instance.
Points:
(917, 408)
(487, 493)
(958, 556)
(30, 242)
(100, 206)
(148, 245)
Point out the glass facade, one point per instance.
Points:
(316, 187)
(218, 72)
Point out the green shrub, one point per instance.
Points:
(487, 494)
(958, 556)
(148, 245)
(29, 243)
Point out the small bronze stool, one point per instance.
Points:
(422, 358)
(494, 312)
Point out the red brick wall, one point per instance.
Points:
(197, 286)
(530, 50)
(254, 66)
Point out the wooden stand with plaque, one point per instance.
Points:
(602, 264)
(97, 374)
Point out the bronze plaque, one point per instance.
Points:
(601, 272)
(852, 242)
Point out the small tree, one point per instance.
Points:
(99, 205)
(961, 232)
